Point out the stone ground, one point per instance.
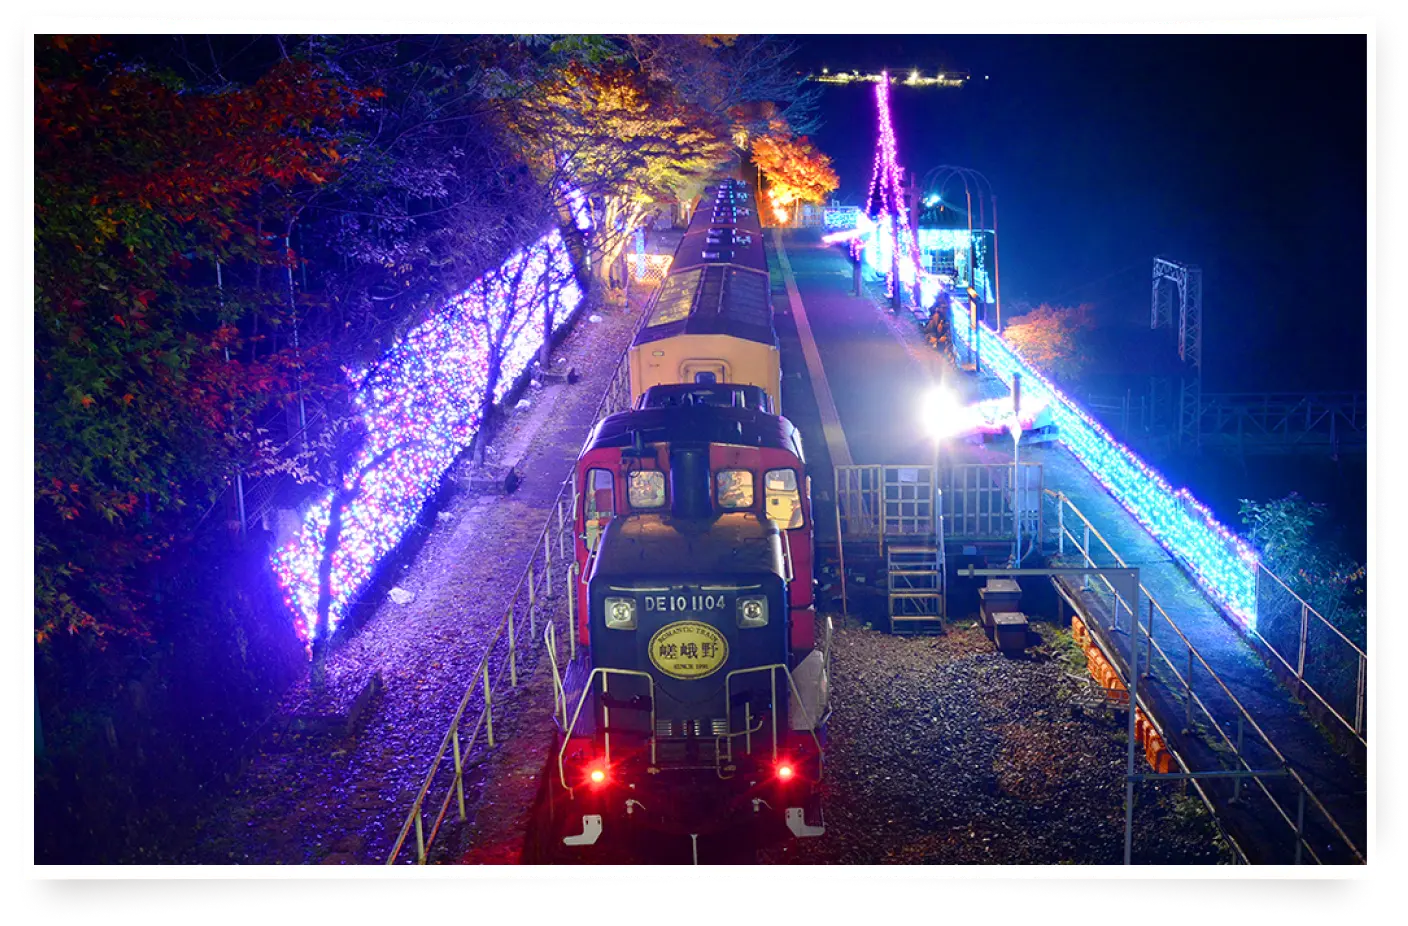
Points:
(943, 751)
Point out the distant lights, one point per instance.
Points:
(420, 406)
(1222, 563)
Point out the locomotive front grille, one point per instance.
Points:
(691, 729)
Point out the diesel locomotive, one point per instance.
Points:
(698, 696)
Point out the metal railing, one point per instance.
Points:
(533, 600)
(1272, 419)
(1326, 663)
(1181, 676)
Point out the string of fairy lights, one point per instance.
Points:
(420, 405)
(886, 203)
(1222, 563)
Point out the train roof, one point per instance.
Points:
(734, 546)
(725, 229)
(718, 280)
(712, 300)
(714, 424)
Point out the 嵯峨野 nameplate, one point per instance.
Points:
(688, 649)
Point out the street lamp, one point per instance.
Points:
(942, 415)
(1015, 427)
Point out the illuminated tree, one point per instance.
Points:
(1049, 338)
(794, 171)
(625, 143)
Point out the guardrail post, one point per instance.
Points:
(547, 560)
(512, 651)
(1188, 695)
(532, 618)
(1300, 821)
(1359, 695)
(1149, 651)
(1237, 782)
(459, 770)
(488, 706)
(1304, 632)
(420, 838)
(1085, 579)
(1061, 525)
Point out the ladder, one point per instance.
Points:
(915, 579)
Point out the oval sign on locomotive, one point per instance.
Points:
(688, 649)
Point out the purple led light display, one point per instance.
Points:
(420, 404)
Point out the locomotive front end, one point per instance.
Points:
(690, 720)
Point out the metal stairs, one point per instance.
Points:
(915, 584)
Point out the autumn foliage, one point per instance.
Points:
(624, 141)
(794, 169)
(143, 398)
(1050, 338)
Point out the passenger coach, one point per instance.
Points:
(712, 320)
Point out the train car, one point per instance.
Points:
(695, 703)
(776, 463)
(711, 321)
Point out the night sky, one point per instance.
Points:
(1245, 155)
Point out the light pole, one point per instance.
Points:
(996, 266)
(941, 175)
(942, 415)
(1015, 427)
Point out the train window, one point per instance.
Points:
(735, 488)
(646, 489)
(600, 503)
(784, 502)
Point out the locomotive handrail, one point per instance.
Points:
(772, 669)
(576, 715)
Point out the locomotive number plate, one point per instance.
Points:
(688, 649)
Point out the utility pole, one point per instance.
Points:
(996, 265)
(913, 190)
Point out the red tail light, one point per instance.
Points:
(597, 776)
(785, 771)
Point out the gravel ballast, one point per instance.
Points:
(943, 751)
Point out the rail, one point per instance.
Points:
(1326, 663)
(1182, 685)
(533, 599)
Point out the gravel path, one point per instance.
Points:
(326, 798)
(943, 751)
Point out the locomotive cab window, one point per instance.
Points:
(784, 502)
(600, 503)
(646, 489)
(735, 488)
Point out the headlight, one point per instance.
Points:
(620, 614)
(752, 612)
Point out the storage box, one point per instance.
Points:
(997, 596)
(1009, 631)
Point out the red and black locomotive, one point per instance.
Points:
(698, 697)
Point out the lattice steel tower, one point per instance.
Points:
(1188, 280)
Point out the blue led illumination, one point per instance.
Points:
(420, 404)
(1223, 564)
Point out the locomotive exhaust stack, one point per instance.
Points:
(690, 496)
